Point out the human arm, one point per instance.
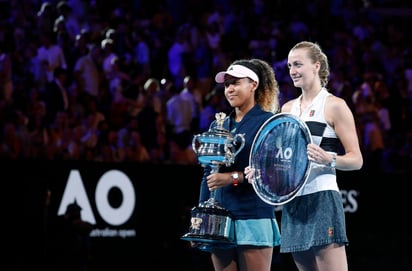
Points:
(340, 117)
(217, 180)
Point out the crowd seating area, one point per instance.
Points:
(91, 80)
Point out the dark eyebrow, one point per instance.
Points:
(231, 81)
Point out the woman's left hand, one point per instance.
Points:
(317, 154)
(249, 174)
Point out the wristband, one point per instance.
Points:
(332, 164)
(235, 178)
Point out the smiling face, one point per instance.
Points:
(302, 70)
(239, 91)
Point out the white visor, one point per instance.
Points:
(237, 71)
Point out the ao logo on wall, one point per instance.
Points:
(113, 216)
(117, 218)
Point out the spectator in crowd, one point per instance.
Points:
(179, 119)
(56, 95)
(50, 56)
(192, 94)
(6, 74)
(88, 74)
(72, 248)
(214, 102)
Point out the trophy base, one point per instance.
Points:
(211, 226)
(208, 242)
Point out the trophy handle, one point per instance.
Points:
(241, 138)
(195, 144)
(230, 151)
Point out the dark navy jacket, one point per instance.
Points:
(242, 200)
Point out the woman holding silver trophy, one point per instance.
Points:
(252, 91)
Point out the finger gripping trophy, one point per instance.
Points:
(211, 224)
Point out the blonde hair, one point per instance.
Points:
(151, 82)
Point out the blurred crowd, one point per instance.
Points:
(133, 81)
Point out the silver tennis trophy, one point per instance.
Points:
(211, 224)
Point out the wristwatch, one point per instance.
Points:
(333, 162)
(235, 178)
